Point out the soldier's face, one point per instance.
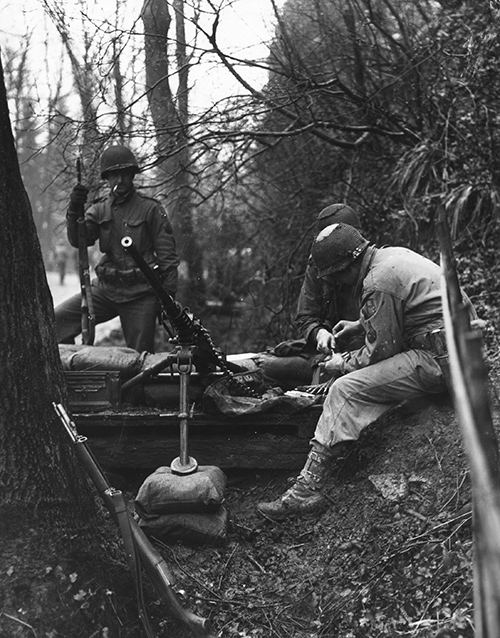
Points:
(121, 182)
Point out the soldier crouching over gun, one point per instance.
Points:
(206, 357)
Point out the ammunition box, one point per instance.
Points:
(91, 391)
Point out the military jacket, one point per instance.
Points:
(146, 222)
(400, 301)
(322, 303)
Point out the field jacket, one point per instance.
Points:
(146, 222)
(322, 303)
(400, 303)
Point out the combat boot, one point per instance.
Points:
(304, 497)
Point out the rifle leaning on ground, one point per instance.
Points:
(139, 550)
(87, 304)
(206, 357)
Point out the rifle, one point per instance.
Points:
(206, 357)
(137, 545)
(87, 304)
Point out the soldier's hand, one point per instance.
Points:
(325, 341)
(78, 198)
(333, 365)
(345, 329)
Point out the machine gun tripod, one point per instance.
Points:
(195, 347)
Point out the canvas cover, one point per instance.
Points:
(228, 397)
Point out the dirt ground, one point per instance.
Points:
(372, 565)
(376, 563)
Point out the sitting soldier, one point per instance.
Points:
(403, 355)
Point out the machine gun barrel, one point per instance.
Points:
(170, 306)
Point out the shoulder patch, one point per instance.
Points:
(371, 333)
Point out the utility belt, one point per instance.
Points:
(434, 341)
(114, 276)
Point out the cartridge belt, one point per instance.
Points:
(112, 275)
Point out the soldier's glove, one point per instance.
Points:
(77, 199)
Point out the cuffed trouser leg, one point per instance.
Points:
(361, 397)
(68, 314)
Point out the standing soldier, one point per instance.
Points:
(120, 288)
(403, 354)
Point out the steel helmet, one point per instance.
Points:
(336, 247)
(116, 158)
(337, 213)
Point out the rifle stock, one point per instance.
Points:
(152, 560)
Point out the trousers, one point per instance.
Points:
(137, 317)
(359, 398)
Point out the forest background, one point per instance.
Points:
(388, 105)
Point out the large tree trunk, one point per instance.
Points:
(47, 511)
(170, 117)
(36, 465)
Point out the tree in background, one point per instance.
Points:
(387, 104)
(456, 161)
(340, 107)
(374, 103)
(166, 59)
(30, 136)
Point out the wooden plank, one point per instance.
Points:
(154, 417)
(147, 438)
(258, 451)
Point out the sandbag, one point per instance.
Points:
(66, 353)
(164, 492)
(127, 361)
(191, 529)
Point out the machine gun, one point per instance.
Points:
(206, 357)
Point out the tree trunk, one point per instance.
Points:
(36, 466)
(170, 117)
(47, 510)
